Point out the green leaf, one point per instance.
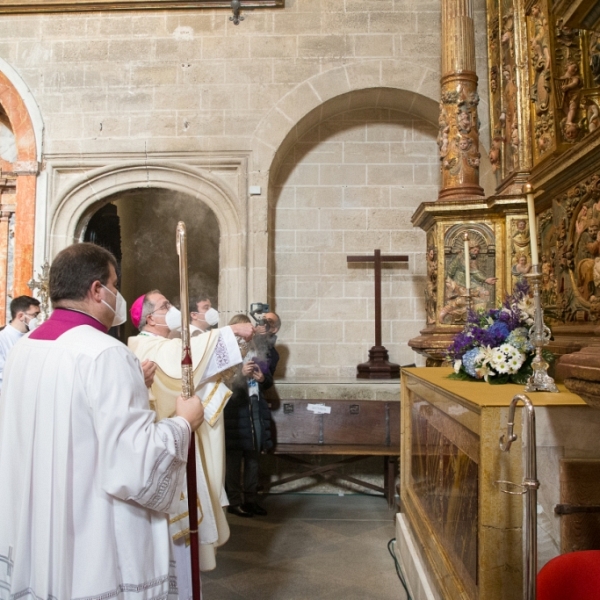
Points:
(548, 356)
(522, 376)
(462, 376)
(499, 380)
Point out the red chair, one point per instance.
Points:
(572, 576)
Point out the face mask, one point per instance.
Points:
(211, 316)
(33, 324)
(173, 319)
(120, 309)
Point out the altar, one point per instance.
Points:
(458, 536)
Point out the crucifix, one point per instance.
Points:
(378, 365)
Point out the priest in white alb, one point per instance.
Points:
(212, 353)
(87, 476)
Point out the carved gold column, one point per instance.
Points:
(458, 122)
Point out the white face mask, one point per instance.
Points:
(120, 309)
(33, 324)
(211, 316)
(173, 319)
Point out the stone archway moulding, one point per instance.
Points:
(400, 77)
(78, 200)
(27, 125)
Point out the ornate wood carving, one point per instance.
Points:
(482, 246)
(540, 68)
(432, 273)
(581, 14)
(458, 136)
(518, 245)
(570, 237)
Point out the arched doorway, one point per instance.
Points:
(150, 178)
(20, 155)
(138, 227)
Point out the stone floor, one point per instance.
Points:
(317, 547)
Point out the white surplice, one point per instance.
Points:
(212, 353)
(86, 475)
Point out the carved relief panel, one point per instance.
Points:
(518, 249)
(495, 89)
(482, 260)
(570, 238)
(432, 278)
(508, 82)
(539, 24)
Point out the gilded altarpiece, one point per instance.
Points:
(482, 262)
(510, 151)
(499, 254)
(570, 237)
(564, 71)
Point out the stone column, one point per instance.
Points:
(4, 227)
(458, 137)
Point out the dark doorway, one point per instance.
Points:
(138, 227)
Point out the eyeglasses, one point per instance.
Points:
(165, 306)
(35, 314)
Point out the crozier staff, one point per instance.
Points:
(87, 475)
(212, 353)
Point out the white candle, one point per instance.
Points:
(467, 262)
(532, 224)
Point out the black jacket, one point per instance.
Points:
(240, 426)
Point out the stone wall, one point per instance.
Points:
(280, 95)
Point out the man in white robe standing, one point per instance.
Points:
(212, 353)
(87, 476)
(24, 311)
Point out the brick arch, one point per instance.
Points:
(22, 177)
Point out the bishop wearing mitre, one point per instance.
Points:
(212, 353)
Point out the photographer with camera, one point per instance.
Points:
(247, 430)
(265, 337)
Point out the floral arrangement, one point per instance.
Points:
(494, 345)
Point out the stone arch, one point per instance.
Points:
(21, 182)
(76, 204)
(403, 86)
(308, 103)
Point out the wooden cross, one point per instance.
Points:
(378, 366)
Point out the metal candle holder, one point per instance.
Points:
(468, 302)
(539, 334)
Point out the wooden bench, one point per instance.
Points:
(352, 429)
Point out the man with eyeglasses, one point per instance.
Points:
(213, 352)
(24, 311)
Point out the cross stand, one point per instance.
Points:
(378, 365)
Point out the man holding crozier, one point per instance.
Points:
(88, 476)
(212, 353)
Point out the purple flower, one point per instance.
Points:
(490, 328)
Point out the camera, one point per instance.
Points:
(258, 311)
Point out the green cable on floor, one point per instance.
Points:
(398, 569)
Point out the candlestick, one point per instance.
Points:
(467, 262)
(539, 334)
(528, 188)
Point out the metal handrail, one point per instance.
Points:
(529, 488)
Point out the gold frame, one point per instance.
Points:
(55, 6)
(499, 230)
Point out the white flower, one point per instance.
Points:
(487, 354)
(457, 365)
(527, 308)
(483, 372)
